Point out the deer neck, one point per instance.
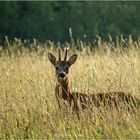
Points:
(63, 87)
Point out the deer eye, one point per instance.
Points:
(66, 67)
(57, 67)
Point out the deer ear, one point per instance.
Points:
(52, 58)
(72, 59)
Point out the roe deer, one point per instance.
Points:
(78, 100)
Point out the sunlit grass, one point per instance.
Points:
(28, 108)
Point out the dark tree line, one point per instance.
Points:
(51, 20)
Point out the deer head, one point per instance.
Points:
(62, 66)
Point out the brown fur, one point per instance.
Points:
(83, 100)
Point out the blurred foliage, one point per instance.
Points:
(51, 20)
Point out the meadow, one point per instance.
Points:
(28, 108)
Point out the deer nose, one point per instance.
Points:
(62, 74)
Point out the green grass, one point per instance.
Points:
(28, 108)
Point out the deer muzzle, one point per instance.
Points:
(62, 75)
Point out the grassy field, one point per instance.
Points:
(28, 108)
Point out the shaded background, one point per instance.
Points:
(51, 20)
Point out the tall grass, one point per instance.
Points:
(28, 108)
